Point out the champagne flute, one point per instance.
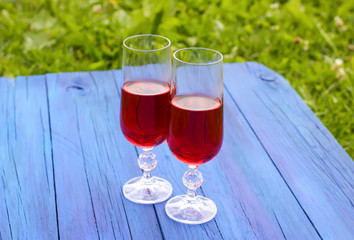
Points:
(196, 127)
(144, 110)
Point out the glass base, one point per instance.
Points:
(154, 190)
(200, 211)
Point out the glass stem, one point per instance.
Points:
(147, 175)
(192, 179)
(191, 196)
(147, 161)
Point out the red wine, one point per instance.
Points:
(196, 128)
(144, 112)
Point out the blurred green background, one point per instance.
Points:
(309, 42)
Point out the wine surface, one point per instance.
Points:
(144, 112)
(196, 128)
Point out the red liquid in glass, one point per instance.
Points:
(196, 128)
(144, 112)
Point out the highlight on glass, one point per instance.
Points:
(144, 110)
(195, 131)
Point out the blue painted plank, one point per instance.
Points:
(27, 189)
(312, 163)
(92, 162)
(5, 221)
(121, 155)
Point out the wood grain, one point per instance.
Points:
(5, 221)
(279, 175)
(312, 163)
(27, 197)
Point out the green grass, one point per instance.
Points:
(299, 39)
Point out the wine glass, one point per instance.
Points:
(196, 126)
(144, 110)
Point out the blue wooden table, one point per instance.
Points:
(63, 160)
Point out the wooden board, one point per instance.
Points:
(279, 175)
(27, 196)
(312, 163)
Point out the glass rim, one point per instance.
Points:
(198, 64)
(146, 35)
